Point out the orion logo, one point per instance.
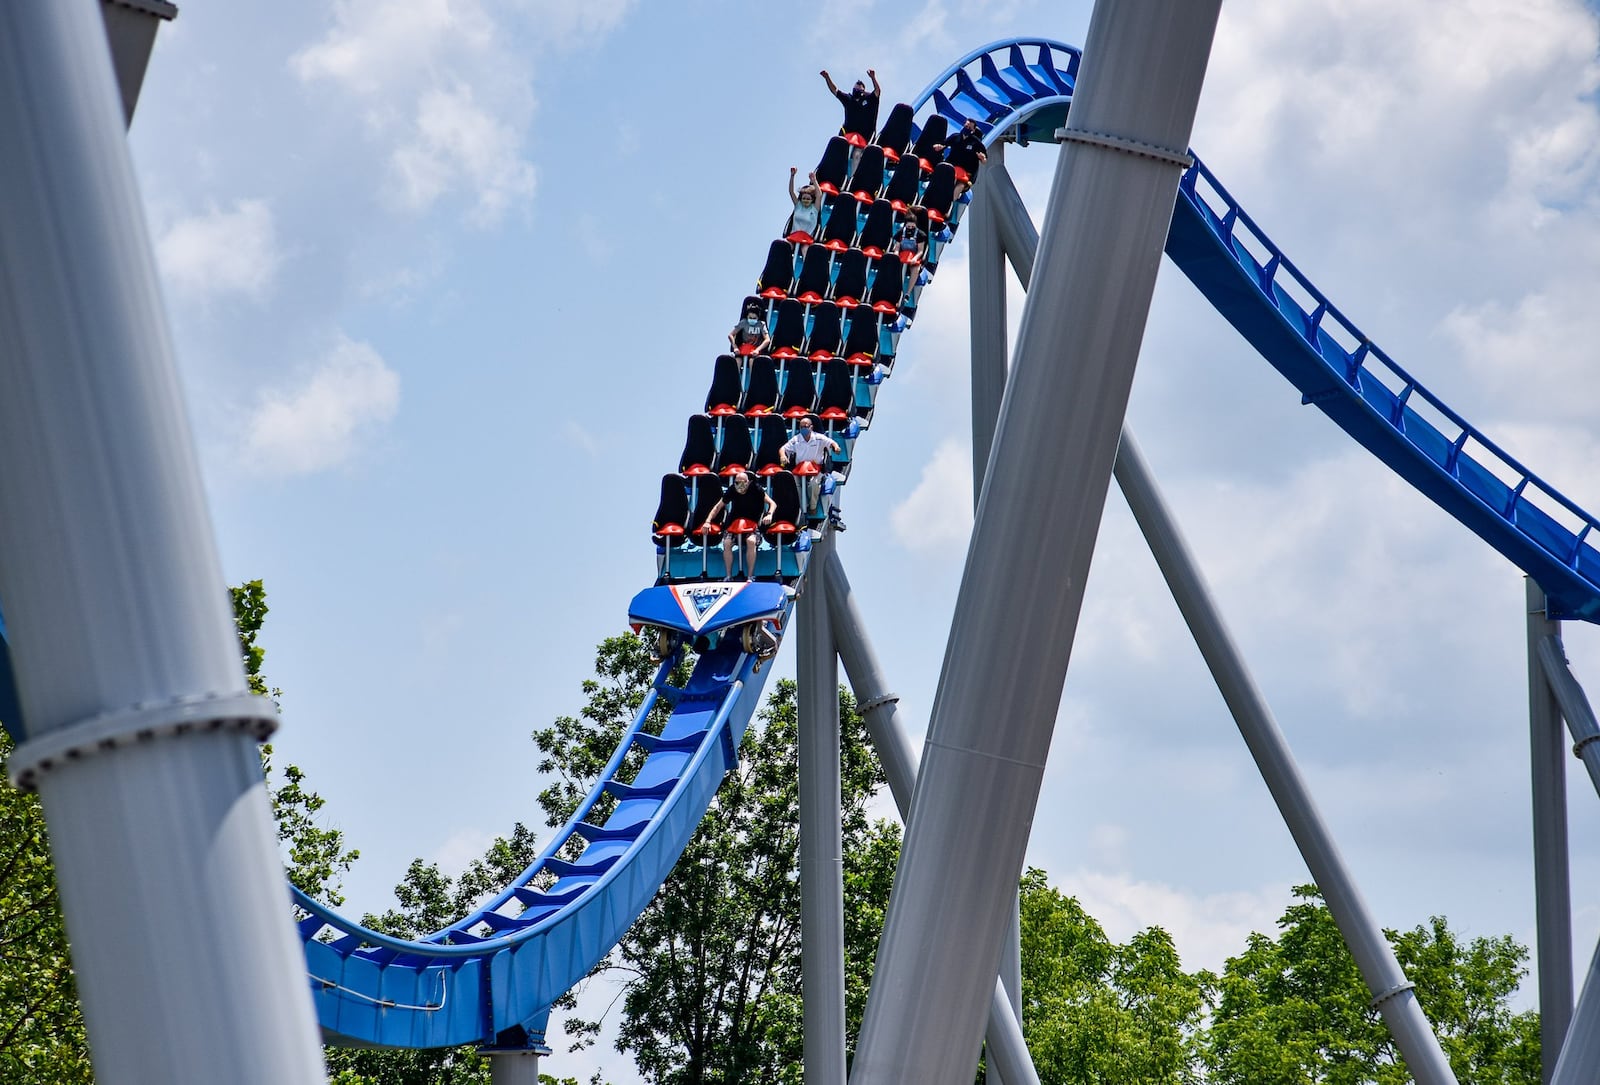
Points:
(701, 602)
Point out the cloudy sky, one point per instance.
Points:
(446, 277)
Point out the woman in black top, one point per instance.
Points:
(742, 500)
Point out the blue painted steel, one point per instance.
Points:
(696, 609)
(1351, 380)
(10, 704)
(499, 968)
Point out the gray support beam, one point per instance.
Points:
(1381, 971)
(986, 263)
(513, 1067)
(1552, 898)
(1392, 993)
(1033, 538)
(821, 842)
(141, 735)
(1007, 1050)
(1575, 707)
(1579, 1063)
(131, 27)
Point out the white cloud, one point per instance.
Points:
(937, 515)
(563, 23)
(458, 142)
(435, 84)
(1207, 928)
(319, 424)
(376, 46)
(221, 252)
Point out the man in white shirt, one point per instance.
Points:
(810, 446)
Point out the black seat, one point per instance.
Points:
(726, 387)
(850, 279)
(699, 447)
(799, 388)
(778, 275)
(671, 524)
(878, 230)
(895, 135)
(826, 321)
(790, 334)
(933, 132)
(771, 434)
(838, 397)
(904, 184)
(761, 385)
(816, 272)
(734, 449)
(940, 193)
(839, 232)
(867, 181)
(861, 341)
(704, 493)
(888, 285)
(835, 166)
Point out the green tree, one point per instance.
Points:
(42, 1035)
(712, 968)
(1096, 1011)
(1294, 1009)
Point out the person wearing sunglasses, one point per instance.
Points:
(742, 500)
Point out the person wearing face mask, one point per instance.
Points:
(810, 446)
(860, 108)
(807, 217)
(750, 335)
(742, 500)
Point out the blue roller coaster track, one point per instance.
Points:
(491, 976)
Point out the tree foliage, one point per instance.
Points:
(1294, 1009)
(1096, 1011)
(42, 1035)
(711, 969)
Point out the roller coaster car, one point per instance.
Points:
(704, 613)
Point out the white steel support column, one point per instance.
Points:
(1552, 897)
(1391, 991)
(986, 263)
(1032, 541)
(1007, 1051)
(821, 843)
(141, 734)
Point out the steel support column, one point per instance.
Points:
(1575, 707)
(986, 263)
(1379, 968)
(1579, 1063)
(821, 843)
(1392, 993)
(1032, 541)
(1007, 1051)
(141, 734)
(1551, 877)
(513, 1067)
